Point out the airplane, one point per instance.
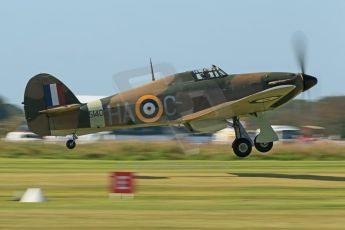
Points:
(205, 100)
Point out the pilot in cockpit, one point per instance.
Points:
(206, 74)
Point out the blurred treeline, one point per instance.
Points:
(10, 117)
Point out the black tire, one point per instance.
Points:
(263, 147)
(242, 147)
(70, 144)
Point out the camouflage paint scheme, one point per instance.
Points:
(200, 100)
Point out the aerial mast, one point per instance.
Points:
(152, 72)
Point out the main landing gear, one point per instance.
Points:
(242, 145)
(263, 142)
(70, 144)
(263, 147)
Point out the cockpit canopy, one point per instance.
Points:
(209, 73)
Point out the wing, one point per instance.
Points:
(257, 102)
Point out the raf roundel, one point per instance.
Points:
(148, 108)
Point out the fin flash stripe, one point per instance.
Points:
(54, 94)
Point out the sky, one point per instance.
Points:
(84, 43)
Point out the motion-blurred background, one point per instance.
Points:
(85, 44)
(183, 180)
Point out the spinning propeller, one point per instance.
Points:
(300, 44)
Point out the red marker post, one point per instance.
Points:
(122, 183)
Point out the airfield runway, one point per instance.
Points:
(176, 195)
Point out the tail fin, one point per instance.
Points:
(45, 93)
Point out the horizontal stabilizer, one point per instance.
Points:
(61, 109)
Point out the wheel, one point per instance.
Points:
(242, 147)
(263, 147)
(70, 144)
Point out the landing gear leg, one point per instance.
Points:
(70, 144)
(242, 145)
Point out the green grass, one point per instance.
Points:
(245, 194)
(173, 150)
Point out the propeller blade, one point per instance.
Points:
(300, 45)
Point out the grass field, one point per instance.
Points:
(168, 150)
(176, 195)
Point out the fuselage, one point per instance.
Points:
(168, 100)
